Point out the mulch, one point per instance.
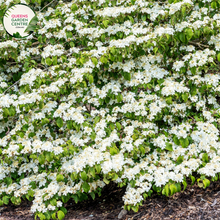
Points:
(193, 203)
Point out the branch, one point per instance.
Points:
(11, 86)
(46, 6)
(198, 44)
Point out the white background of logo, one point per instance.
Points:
(17, 9)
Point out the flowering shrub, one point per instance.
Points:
(104, 90)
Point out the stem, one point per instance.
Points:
(46, 6)
(11, 86)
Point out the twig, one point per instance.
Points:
(35, 43)
(198, 44)
(11, 86)
(87, 108)
(46, 6)
(41, 65)
(8, 131)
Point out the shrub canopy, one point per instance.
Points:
(104, 90)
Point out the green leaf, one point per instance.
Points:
(189, 33)
(115, 177)
(54, 215)
(64, 210)
(119, 97)
(205, 157)
(180, 159)
(91, 79)
(169, 100)
(166, 190)
(112, 126)
(178, 187)
(113, 151)
(98, 168)
(40, 39)
(8, 181)
(92, 171)
(49, 156)
(94, 60)
(127, 76)
(48, 61)
(218, 57)
(92, 194)
(103, 59)
(118, 125)
(60, 215)
(206, 183)
(69, 124)
(41, 216)
(113, 51)
(176, 140)
(5, 200)
(47, 215)
(5, 112)
(182, 37)
(73, 176)
(144, 17)
(59, 122)
(74, 7)
(185, 97)
(135, 209)
(41, 159)
(17, 35)
(60, 178)
(184, 184)
(45, 121)
(173, 189)
(93, 136)
(53, 202)
(54, 60)
(214, 5)
(193, 179)
(86, 187)
(105, 180)
(169, 146)
(184, 142)
(75, 197)
(84, 176)
(105, 22)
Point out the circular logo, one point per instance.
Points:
(16, 20)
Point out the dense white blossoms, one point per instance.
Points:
(124, 91)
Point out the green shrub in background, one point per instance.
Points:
(104, 90)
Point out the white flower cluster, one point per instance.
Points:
(114, 104)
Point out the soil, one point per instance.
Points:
(193, 203)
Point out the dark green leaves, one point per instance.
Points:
(86, 187)
(169, 146)
(17, 35)
(127, 76)
(84, 176)
(184, 142)
(59, 122)
(94, 60)
(189, 33)
(74, 7)
(41, 159)
(218, 57)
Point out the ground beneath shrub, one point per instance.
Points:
(193, 203)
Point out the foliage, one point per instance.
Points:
(105, 90)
